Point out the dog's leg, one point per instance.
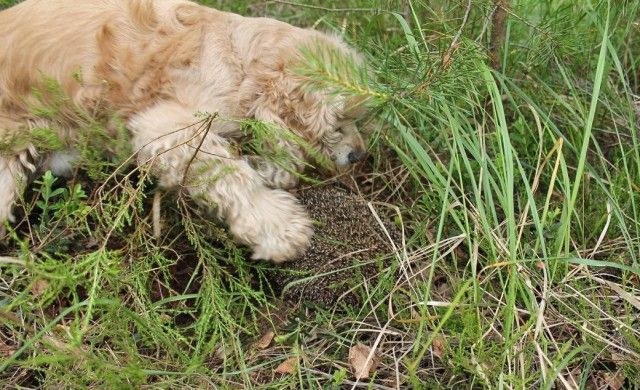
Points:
(9, 187)
(13, 179)
(277, 174)
(15, 165)
(270, 221)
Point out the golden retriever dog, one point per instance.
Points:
(156, 64)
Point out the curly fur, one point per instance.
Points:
(156, 64)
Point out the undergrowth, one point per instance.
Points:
(518, 193)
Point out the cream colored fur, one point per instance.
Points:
(156, 64)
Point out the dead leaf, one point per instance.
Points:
(360, 362)
(444, 291)
(38, 287)
(614, 380)
(437, 346)
(265, 340)
(223, 351)
(619, 358)
(288, 366)
(9, 316)
(6, 350)
(632, 299)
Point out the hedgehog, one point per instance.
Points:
(348, 242)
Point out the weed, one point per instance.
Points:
(518, 192)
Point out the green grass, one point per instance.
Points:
(519, 194)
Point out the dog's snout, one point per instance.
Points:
(354, 157)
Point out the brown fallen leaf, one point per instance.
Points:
(265, 340)
(632, 299)
(614, 380)
(438, 345)
(6, 350)
(288, 366)
(620, 358)
(360, 362)
(444, 291)
(38, 287)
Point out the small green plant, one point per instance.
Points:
(49, 196)
(518, 195)
(60, 209)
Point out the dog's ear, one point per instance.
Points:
(285, 98)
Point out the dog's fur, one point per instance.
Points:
(156, 63)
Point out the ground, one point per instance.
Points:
(509, 176)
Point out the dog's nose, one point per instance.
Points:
(356, 156)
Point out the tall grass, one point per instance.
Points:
(518, 192)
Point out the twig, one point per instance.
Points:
(208, 124)
(155, 215)
(446, 58)
(456, 38)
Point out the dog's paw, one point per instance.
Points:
(5, 216)
(275, 226)
(272, 174)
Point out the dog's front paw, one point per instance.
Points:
(5, 216)
(275, 226)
